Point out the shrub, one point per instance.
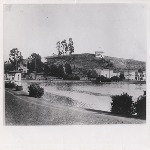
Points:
(122, 104)
(140, 107)
(9, 85)
(71, 77)
(19, 88)
(103, 79)
(35, 90)
(121, 76)
(115, 78)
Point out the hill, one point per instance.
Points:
(88, 61)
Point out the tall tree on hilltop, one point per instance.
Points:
(70, 46)
(59, 48)
(15, 57)
(64, 46)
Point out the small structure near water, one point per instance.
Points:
(14, 77)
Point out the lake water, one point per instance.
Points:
(92, 95)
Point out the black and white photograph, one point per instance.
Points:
(67, 64)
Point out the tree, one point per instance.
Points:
(92, 74)
(61, 70)
(36, 63)
(59, 48)
(54, 70)
(140, 70)
(68, 69)
(46, 68)
(70, 46)
(8, 67)
(64, 46)
(121, 76)
(15, 57)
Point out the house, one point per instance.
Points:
(14, 76)
(105, 72)
(22, 66)
(99, 54)
(131, 74)
(144, 75)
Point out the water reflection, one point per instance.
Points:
(92, 95)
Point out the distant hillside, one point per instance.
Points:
(122, 63)
(89, 61)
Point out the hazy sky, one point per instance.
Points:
(118, 30)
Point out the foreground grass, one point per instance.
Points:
(20, 109)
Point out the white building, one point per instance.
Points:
(130, 74)
(14, 76)
(106, 72)
(99, 54)
(143, 76)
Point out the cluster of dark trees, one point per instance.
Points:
(91, 74)
(112, 79)
(58, 71)
(35, 63)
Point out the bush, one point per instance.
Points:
(103, 79)
(35, 90)
(122, 104)
(121, 76)
(71, 77)
(140, 107)
(9, 85)
(19, 88)
(115, 78)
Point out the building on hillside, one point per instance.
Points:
(135, 75)
(115, 73)
(131, 74)
(22, 66)
(106, 72)
(99, 54)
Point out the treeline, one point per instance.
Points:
(58, 71)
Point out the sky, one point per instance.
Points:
(119, 30)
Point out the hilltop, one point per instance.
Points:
(89, 61)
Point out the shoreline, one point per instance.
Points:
(84, 81)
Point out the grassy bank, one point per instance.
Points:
(20, 109)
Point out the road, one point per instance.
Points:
(20, 109)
